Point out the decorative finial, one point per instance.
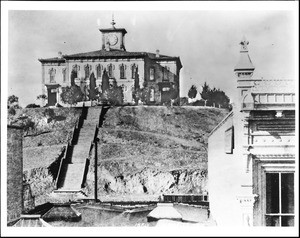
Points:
(244, 44)
(113, 21)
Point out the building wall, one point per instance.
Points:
(225, 176)
(14, 173)
(170, 74)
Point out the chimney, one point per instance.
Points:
(60, 54)
(157, 53)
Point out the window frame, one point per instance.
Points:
(279, 214)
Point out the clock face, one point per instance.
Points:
(112, 39)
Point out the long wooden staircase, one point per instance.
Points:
(74, 166)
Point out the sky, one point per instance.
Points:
(207, 41)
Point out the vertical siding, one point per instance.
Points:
(14, 173)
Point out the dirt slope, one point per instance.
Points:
(150, 150)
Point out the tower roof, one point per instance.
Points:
(113, 29)
(245, 62)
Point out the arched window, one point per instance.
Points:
(122, 71)
(52, 75)
(64, 72)
(152, 73)
(87, 70)
(98, 70)
(134, 70)
(110, 70)
(75, 70)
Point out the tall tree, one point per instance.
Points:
(92, 92)
(105, 81)
(205, 91)
(192, 92)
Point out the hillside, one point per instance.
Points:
(143, 151)
(149, 150)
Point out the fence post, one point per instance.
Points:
(96, 168)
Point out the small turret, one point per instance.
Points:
(244, 67)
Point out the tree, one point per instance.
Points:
(214, 97)
(93, 91)
(105, 81)
(71, 95)
(73, 77)
(136, 88)
(205, 91)
(114, 94)
(192, 92)
(12, 100)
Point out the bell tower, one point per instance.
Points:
(113, 38)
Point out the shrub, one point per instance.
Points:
(32, 105)
(71, 95)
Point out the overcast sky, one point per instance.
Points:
(207, 42)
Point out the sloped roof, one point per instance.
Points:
(112, 53)
(244, 62)
(62, 212)
(274, 86)
(31, 221)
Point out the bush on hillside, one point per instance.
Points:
(32, 105)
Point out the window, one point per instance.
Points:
(152, 73)
(110, 70)
(134, 70)
(122, 71)
(52, 75)
(229, 141)
(87, 69)
(280, 199)
(64, 72)
(98, 70)
(75, 70)
(165, 73)
(152, 98)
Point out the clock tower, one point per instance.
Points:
(113, 38)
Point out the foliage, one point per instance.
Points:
(42, 97)
(136, 88)
(71, 95)
(32, 105)
(192, 92)
(214, 97)
(184, 101)
(113, 95)
(12, 99)
(105, 81)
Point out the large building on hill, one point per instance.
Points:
(160, 73)
(251, 153)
